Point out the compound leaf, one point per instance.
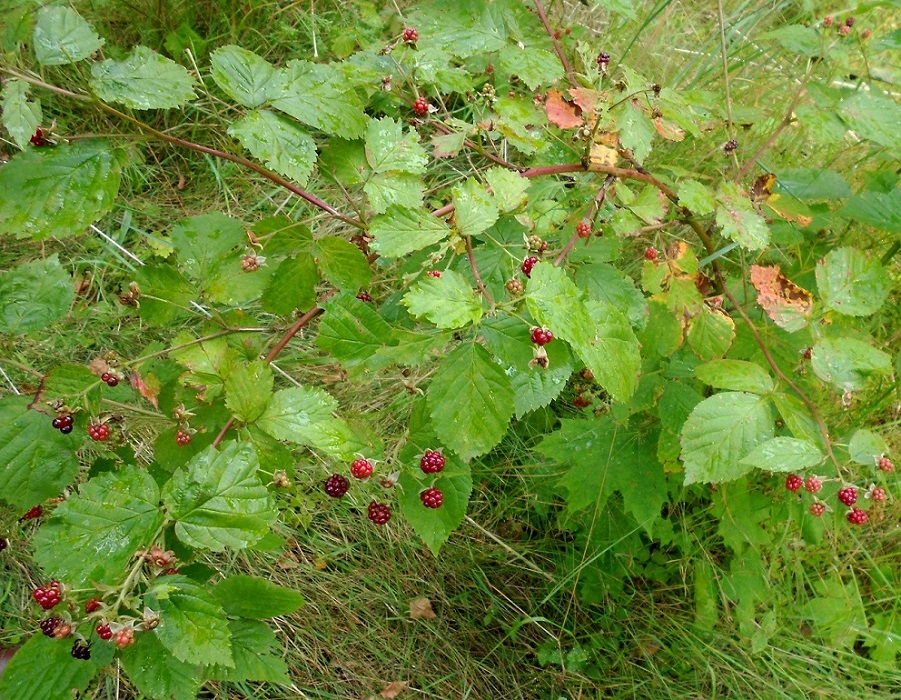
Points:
(278, 142)
(144, 80)
(447, 301)
(241, 74)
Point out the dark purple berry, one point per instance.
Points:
(81, 650)
(336, 486)
(48, 626)
(379, 513)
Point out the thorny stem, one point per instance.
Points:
(596, 205)
(475, 272)
(539, 6)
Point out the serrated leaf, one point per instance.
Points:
(447, 145)
(35, 463)
(62, 36)
(68, 380)
(852, 282)
(607, 284)
(218, 501)
(403, 230)
(474, 209)
(277, 142)
(43, 669)
(797, 418)
(394, 189)
(636, 131)
(342, 263)
(292, 286)
(697, 197)
(784, 454)
(872, 116)
(241, 74)
(352, 332)
(144, 80)
(389, 148)
(447, 301)
(846, 362)
(165, 293)
(21, 117)
(58, 192)
(812, 184)
(710, 334)
(468, 401)
(434, 526)
(33, 295)
(93, 535)
(866, 447)
(318, 95)
(303, 415)
(720, 432)
(253, 644)
(507, 188)
(193, 626)
(879, 209)
(249, 596)
(247, 390)
(535, 67)
(736, 375)
(598, 333)
(738, 220)
(202, 241)
(156, 673)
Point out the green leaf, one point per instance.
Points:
(784, 454)
(598, 333)
(218, 501)
(394, 189)
(352, 332)
(846, 363)
(202, 241)
(736, 375)
(710, 334)
(798, 39)
(247, 390)
(303, 415)
(156, 673)
(739, 221)
(58, 192)
(697, 197)
(62, 36)
(93, 535)
(68, 380)
(507, 188)
(292, 286)
(318, 95)
(872, 116)
(434, 526)
(144, 80)
(33, 295)
(535, 67)
(852, 283)
(43, 669)
(388, 148)
(20, 117)
(837, 611)
(866, 447)
(242, 75)
(604, 457)
(662, 335)
(812, 184)
(165, 293)
(404, 230)
(474, 209)
(35, 463)
(469, 401)
(797, 418)
(278, 142)
(607, 284)
(193, 626)
(635, 130)
(253, 644)
(249, 596)
(447, 301)
(720, 432)
(342, 263)
(879, 209)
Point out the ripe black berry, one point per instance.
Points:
(421, 106)
(379, 513)
(58, 422)
(432, 462)
(541, 336)
(848, 496)
(81, 650)
(730, 146)
(361, 468)
(528, 264)
(857, 516)
(336, 486)
(432, 498)
(828, 21)
(48, 626)
(4, 543)
(602, 60)
(849, 22)
(66, 429)
(112, 381)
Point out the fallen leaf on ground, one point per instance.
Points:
(393, 689)
(421, 609)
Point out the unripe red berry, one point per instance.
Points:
(410, 35)
(845, 30)
(432, 462)
(813, 485)
(817, 509)
(434, 273)
(250, 263)
(125, 637)
(828, 21)
(361, 468)
(857, 516)
(92, 605)
(581, 402)
(541, 336)
(865, 34)
(848, 496)
(432, 498)
(528, 264)
(183, 437)
(650, 253)
(877, 494)
(583, 229)
(794, 482)
(364, 296)
(99, 432)
(35, 512)
(104, 632)
(885, 464)
(421, 106)
(514, 286)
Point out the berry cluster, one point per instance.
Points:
(104, 632)
(250, 263)
(110, 379)
(847, 496)
(379, 513)
(650, 253)
(434, 273)
(515, 287)
(583, 229)
(63, 423)
(34, 512)
(730, 146)
(885, 464)
(421, 106)
(48, 596)
(541, 336)
(364, 296)
(432, 498)
(183, 437)
(93, 605)
(410, 35)
(528, 264)
(99, 432)
(50, 625)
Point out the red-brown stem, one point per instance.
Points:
(443, 211)
(539, 6)
(596, 204)
(475, 272)
(474, 146)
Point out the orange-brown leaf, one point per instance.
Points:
(785, 302)
(561, 113)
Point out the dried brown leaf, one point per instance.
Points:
(393, 689)
(421, 609)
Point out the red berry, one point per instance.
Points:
(885, 464)
(528, 264)
(432, 498)
(37, 139)
(857, 516)
(364, 296)
(794, 482)
(361, 468)
(581, 402)
(378, 513)
(113, 380)
(336, 486)
(434, 273)
(33, 513)
(432, 462)
(650, 253)
(81, 650)
(583, 229)
(807, 353)
(421, 106)
(58, 422)
(125, 637)
(817, 509)
(183, 437)
(410, 35)
(603, 59)
(47, 596)
(99, 432)
(68, 421)
(250, 263)
(104, 632)
(844, 30)
(92, 605)
(48, 626)
(878, 494)
(865, 34)
(813, 485)
(105, 377)
(849, 22)
(828, 20)
(541, 336)
(848, 496)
